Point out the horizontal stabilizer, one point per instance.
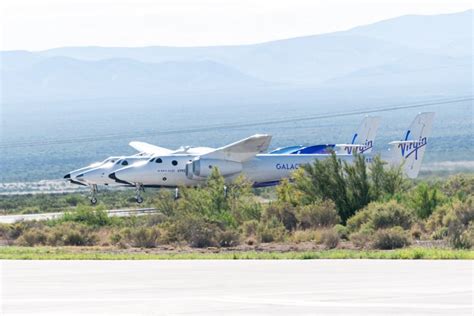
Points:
(349, 149)
(150, 149)
(241, 150)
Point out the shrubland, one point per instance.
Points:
(328, 204)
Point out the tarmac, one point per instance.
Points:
(235, 287)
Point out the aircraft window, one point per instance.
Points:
(174, 162)
(164, 179)
(158, 160)
(118, 162)
(152, 159)
(124, 163)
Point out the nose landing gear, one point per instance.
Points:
(138, 189)
(93, 194)
(176, 193)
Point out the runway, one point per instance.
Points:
(221, 287)
(10, 219)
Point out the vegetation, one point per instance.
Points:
(328, 204)
(91, 253)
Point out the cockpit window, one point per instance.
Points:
(152, 159)
(158, 160)
(124, 163)
(118, 162)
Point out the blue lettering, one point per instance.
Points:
(409, 148)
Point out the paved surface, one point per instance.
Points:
(9, 219)
(334, 287)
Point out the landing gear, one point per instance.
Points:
(93, 197)
(176, 193)
(138, 189)
(225, 191)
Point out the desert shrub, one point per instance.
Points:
(194, 230)
(32, 237)
(379, 215)
(143, 237)
(360, 218)
(165, 202)
(391, 238)
(116, 237)
(440, 233)
(271, 230)
(460, 186)
(155, 219)
(330, 238)
(390, 214)
(71, 234)
(318, 214)
(342, 231)
(307, 235)
(361, 239)
(416, 231)
(249, 228)
(453, 222)
(283, 212)
(228, 238)
(466, 238)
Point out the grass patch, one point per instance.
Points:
(91, 253)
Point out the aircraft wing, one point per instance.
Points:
(150, 149)
(241, 150)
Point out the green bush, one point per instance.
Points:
(318, 214)
(425, 199)
(88, 216)
(391, 238)
(330, 238)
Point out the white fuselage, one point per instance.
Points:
(170, 171)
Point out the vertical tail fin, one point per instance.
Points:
(411, 149)
(363, 140)
(366, 133)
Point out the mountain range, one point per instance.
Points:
(428, 54)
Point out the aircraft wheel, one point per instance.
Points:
(93, 201)
(139, 200)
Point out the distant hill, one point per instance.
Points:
(429, 51)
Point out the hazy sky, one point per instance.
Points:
(42, 24)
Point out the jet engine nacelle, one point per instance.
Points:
(202, 168)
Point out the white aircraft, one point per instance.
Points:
(245, 157)
(97, 173)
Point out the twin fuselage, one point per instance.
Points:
(170, 171)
